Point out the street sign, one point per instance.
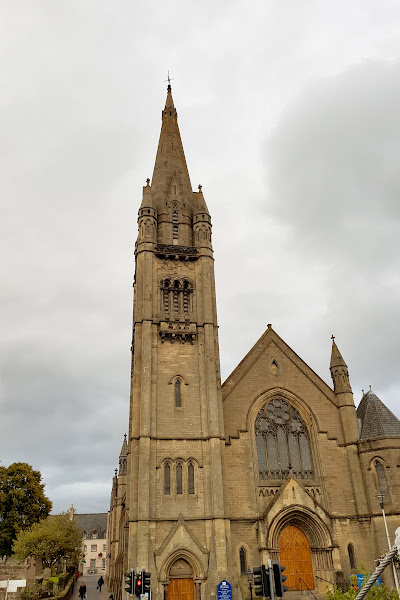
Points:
(224, 590)
(361, 579)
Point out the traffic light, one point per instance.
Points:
(146, 582)
(261, 582)
(277, 568)
(258, 582)
(138, 585)
(129, 583)
(267, 581)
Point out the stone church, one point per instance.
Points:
(214, 479)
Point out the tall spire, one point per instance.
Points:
(170, 169)
(339, 371)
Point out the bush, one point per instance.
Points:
(62, 580)
(32, 592)
(377, 592)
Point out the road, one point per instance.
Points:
(91, 588)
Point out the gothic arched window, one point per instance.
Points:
(176, 298)
(243, 561)
(282, 442)
(179, 479)
(190, 478)
(178, 399)
(167, 479)
(352, 558)
(381, 477)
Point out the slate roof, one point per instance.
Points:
(376, 419)
(93, 522)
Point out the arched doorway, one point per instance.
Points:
(180, 581)
(295, 554)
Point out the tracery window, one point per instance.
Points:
(282, 442)
(243, 561)
(380, 474)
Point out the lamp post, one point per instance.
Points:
(250, 580)
(381, 500)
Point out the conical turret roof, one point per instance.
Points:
(376, 419)
(337, 359)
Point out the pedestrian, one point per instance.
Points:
(100, 582)
(82, 590)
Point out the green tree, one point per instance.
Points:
(52, 539)
(22, 502)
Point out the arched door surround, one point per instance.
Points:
(295, 554)
(181, 585)
(314, 529)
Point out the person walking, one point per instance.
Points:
(100, 582)
(82, 590)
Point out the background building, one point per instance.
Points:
(273, 464)
(94, 543)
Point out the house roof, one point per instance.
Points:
(376, 419)
(93, 522)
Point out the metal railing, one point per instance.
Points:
(326, 580)
(301, 587)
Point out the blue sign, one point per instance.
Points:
(361, 580)
(224, 590)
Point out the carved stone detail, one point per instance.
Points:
(170, 251)
(184, 332)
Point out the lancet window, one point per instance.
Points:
(175, 227)
(179, 477)
(178, 398)
(179, 487)
(352, 557)
(380, 474)
(167, 479)
(243, 561)
(283, 443)
(190, 478)
(176, 298)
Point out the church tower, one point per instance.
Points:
(175, 499)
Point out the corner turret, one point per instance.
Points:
(147, 217)
(339, 372)
(201, 222)
(123, 457)
(344, 395)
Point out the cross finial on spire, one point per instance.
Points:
(200, 187)
(333, 337)
(169, 82)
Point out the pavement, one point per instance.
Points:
(91, 588)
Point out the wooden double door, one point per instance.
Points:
(295, 554)
(180, 589)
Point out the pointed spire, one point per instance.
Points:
(336, 358)
(200, 201)
(124, 449)
(123, 457)
(339, 371)
(170, 160)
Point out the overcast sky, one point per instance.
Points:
(289, 116)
